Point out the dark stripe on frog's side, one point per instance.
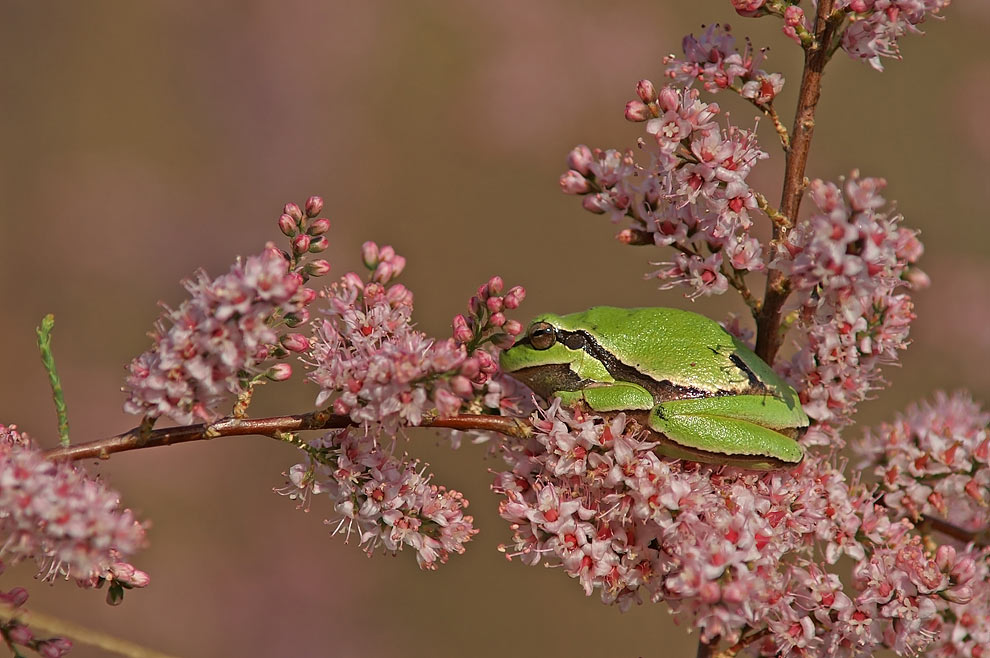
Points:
(662, 390)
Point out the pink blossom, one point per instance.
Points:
(380, 499)
(692, 193)
(934, 460)
(374, 366)
(53, 513)
(847, 264)
(714, 60)
(215, 342)
(590, 494)
(878, 24)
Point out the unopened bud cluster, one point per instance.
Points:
(374, 366)
(305, 231)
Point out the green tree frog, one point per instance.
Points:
(704, 394)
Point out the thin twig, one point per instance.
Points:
(768, 338)
(39, 621)
(275, 427)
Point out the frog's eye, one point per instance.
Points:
(542, 335)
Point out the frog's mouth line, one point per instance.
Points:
(662, 390)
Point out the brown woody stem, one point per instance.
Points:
(816, 55)
(274, 427)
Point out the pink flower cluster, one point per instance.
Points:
(219, 340)
(70, 524)
(692, 195)
(382, 500)
(934, 460)
(871, 28)
(714, 60)
(847, 265)
(876, 25)
(591, 496)
(369, 360)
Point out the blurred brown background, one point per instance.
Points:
(143, 140)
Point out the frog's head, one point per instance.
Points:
(550, 359)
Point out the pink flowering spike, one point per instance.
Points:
(383, 502)
(879, 25)
(925, 461)
(371, 364)
(692, 191)
(203, 348)
(314, 205)
(714, 59)
(846, 265)
(54, 514)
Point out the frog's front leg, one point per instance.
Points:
(615, 396)
(720, 429)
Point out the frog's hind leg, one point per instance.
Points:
(722, 429)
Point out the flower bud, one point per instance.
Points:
(287, 225)
(300, 243)
(279, 372)
(646, 91)
(572, 182)
(295, 342)
(485, 362)
(19, 633)
(668, 99)
(470, 367)
(314, 205)
(307, 295)
(497, 319)
(494, 304)
(595, 203)
(398, 264)
(462, 332)
(318, 267)
(16, 597)
(292, 210)
(398, 295)
(945, 556)
(580, 159)
(319, 226)
(638, 111)
(514, 297)
(318, 244)
(386, 253)
(384, 272)
(461, 385)
(495, 286)
(369, 254)
(513, 328)
(297, 318)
